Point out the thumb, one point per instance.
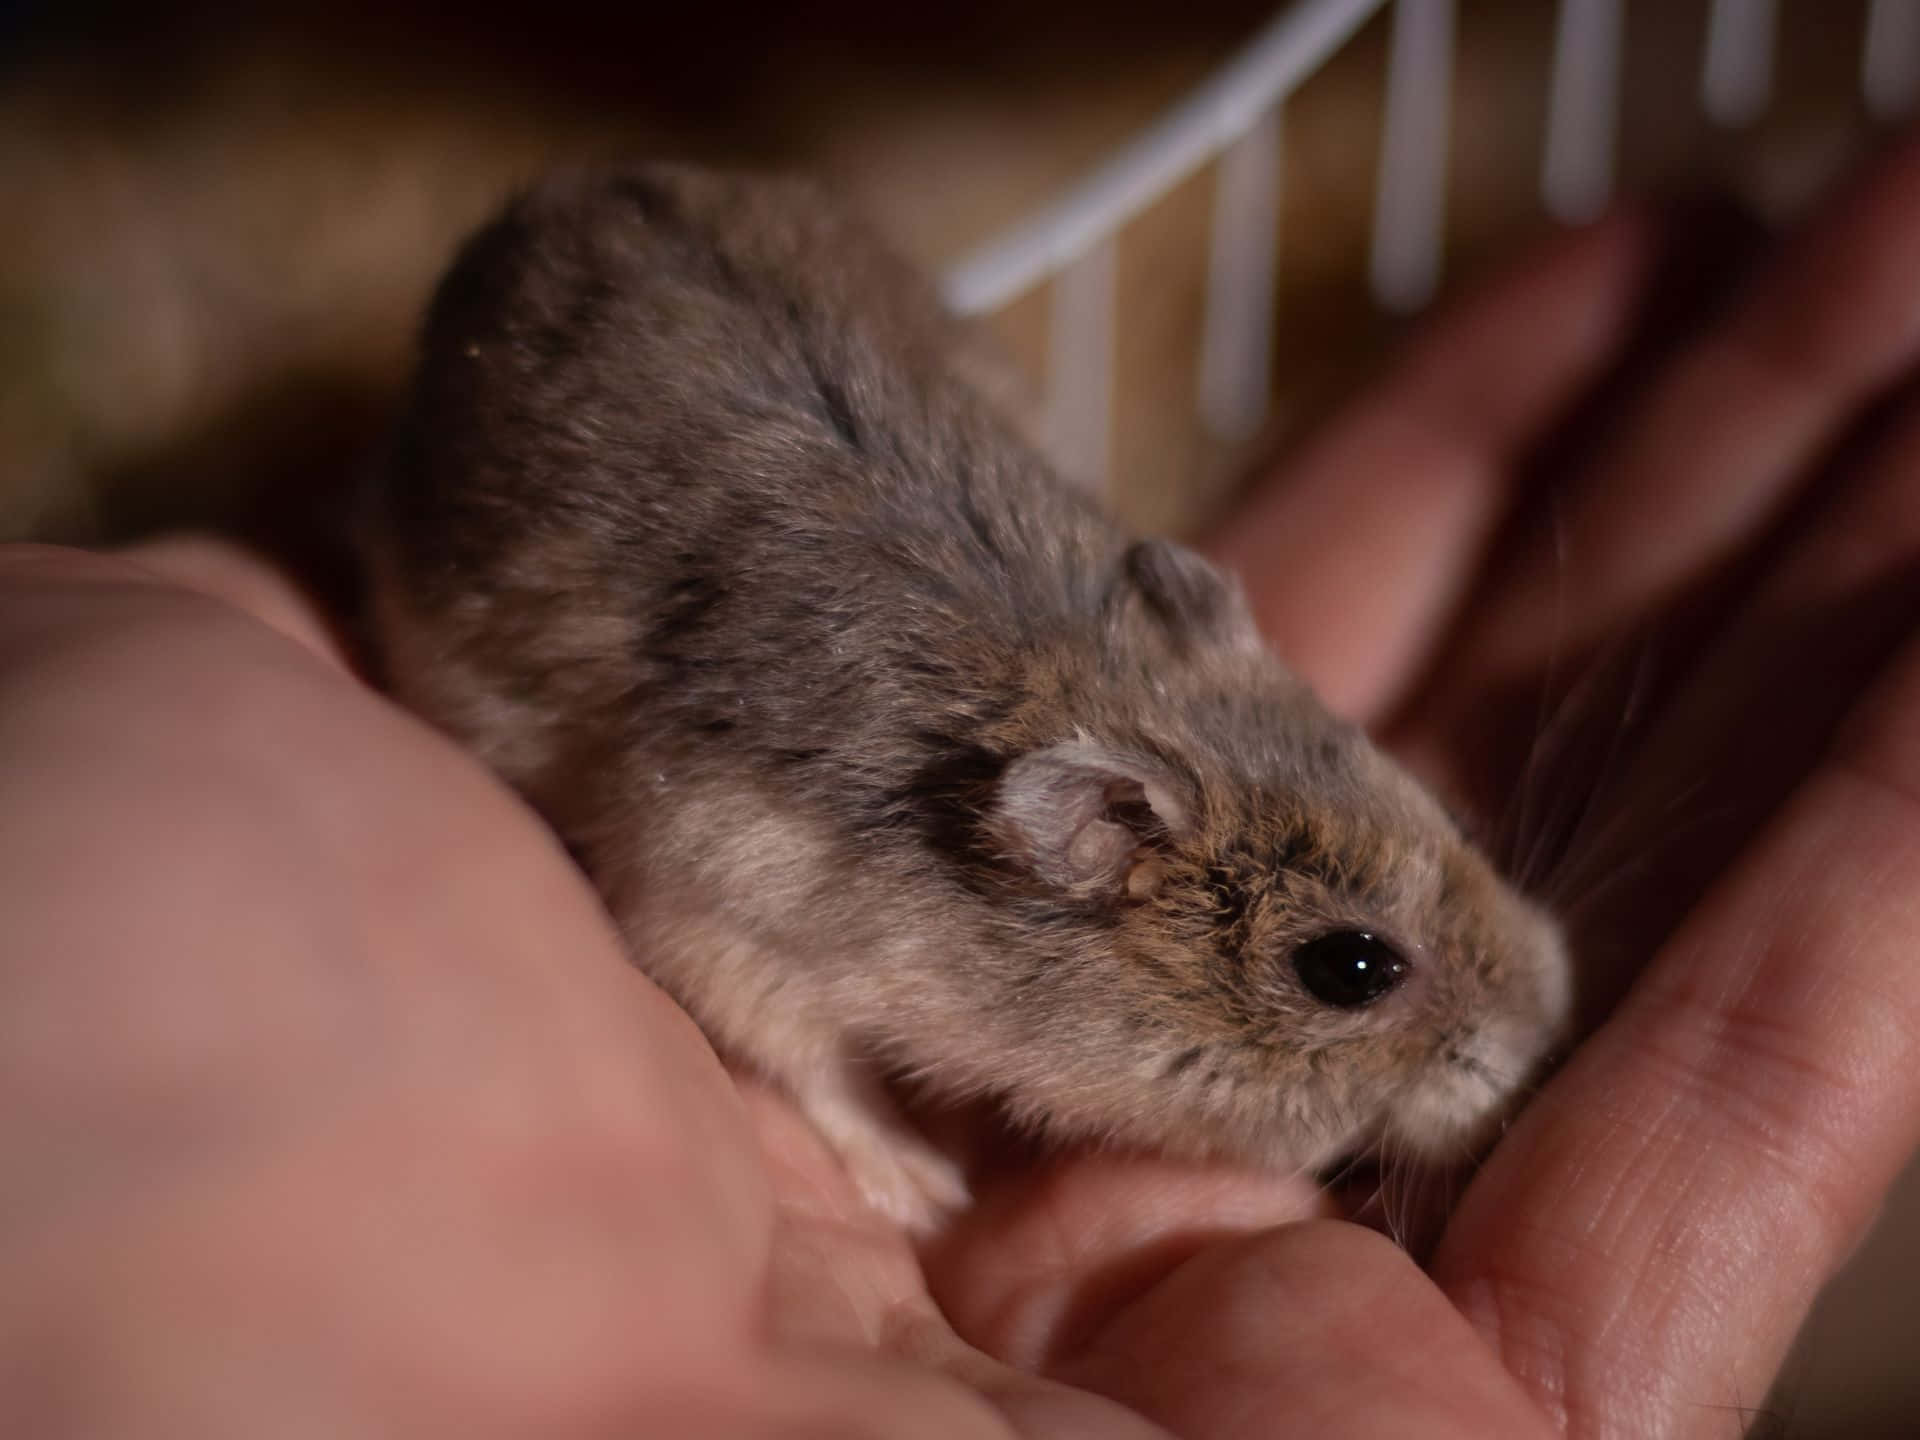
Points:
(1325, 1323)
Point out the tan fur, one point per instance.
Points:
(891, 755)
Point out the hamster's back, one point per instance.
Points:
(688, 463)
(883, 747)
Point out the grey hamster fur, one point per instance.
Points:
(889, 752)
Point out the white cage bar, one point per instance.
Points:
(1890, 58)
(1736, 74)
(1583, 106)
(1410, 198)
(1234, 118)
(1243, 262)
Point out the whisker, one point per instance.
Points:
(1393, 1187)
(1595, 846)
(1579, 802)
(1585, 802)
(1361, 1206)
(1571, 902)
(1527, 784)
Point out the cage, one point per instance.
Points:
(1226, 136)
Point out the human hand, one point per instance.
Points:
(331, 1106)
(1731, 831)
(454, 1167)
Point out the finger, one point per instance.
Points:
(842, 1281)
(1753, 716)
(198, 564)
(244, 580)
(1725, 438)
(1048, 1256)
(1319, 1329)
(1719, 1147)
(852, 1396)
(1357, 554)
(1044, 1259)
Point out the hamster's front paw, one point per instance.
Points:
(898, 1172)
(906, 1180)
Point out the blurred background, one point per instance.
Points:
(221, 222)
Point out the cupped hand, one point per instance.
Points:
(329, 1095)
(1678, 668)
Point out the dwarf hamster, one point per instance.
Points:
(889, 752)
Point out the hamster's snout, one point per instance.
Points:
(1481, 1072)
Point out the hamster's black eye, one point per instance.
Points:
(1349, 968)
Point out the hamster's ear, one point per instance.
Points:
(1196, 601)
(1087, 820)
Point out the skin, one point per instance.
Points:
(327, 1097)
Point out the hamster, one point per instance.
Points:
(892, 756)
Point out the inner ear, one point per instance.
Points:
(1088, 821)
(1193, 600)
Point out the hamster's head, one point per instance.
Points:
(1273, 944)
